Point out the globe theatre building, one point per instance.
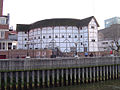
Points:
(63, 33)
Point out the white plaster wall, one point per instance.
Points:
(62, 43)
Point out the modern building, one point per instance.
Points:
(64, 34)
(111, 21)
(108, 36)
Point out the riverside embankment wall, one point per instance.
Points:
(30, 73)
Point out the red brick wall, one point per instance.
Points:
(23, 53)
(6, 34)
(4, 26)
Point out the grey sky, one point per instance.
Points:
(29, 11)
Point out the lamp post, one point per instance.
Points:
(76, 54)
(28, 42)
(33, 49)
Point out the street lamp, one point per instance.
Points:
(76, 54)
(27, 43)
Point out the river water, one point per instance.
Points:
(103, 85)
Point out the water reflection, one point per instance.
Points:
(103, 85)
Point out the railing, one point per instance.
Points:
(51, 63)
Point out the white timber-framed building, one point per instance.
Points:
(63, 33)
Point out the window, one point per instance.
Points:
(93, 40)
(3, 45)
(25, 45)
(81, 36)
(92, 27)
(25, 39)
(62, 36)
(2, 34)
(75, 36)
(81, 43)
(0, 45)
(38, 37)
(44, 37)
(105, 43)
(69, 36)
(25, 32)
(34, 37)
(9, 45)
(56, 36)
(2, 21)
(49, 36)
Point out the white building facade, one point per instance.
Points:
(64, 34)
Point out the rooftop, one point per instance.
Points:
(55, 22)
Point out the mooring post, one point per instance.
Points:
(43, 78)
(48, 78)
(28, 77)
(58, 77)
(38, 78)
(16, 79)
(104, 73)
(79, 75)
(86, 74)
(83, 71)
(22, 79)
(5, 80)
(11, 79)
(66, 73)
(90, 72)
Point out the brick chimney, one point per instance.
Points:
(1, 7)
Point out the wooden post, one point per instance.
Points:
(22, 79)
(16, 79)
(107, 72)
(58, 77)
(48, 78)
(86, 75)
(33, 78)
(83, 79)
(71, 76)
(38, 78)
(11, 79)
(53, 77)
(28, 79)
(94, 74)
(90, 70)
(5, 80)
(62, 77)
(43, 78)
(79, 75)
(66, 76)
(104, 73)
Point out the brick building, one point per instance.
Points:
(6, 43)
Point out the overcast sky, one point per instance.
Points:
(29, 11)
